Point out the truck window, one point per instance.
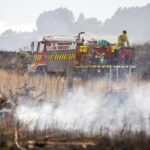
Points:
(34, 46)
(50, 46)
(41, 47)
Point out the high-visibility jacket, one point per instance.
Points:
(122, 39)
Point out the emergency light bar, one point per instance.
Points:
(59, 38)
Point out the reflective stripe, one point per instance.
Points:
(56, 57)
(61, 57)
(103, 66)
(37, 57)
(65, 56)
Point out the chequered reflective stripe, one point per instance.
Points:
(61, 57)
(101, 66)
(37, 57)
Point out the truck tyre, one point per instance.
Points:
(41, 70)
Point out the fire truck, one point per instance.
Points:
(84, 58)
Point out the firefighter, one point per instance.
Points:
(122, 39)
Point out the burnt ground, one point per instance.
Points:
(11, 139)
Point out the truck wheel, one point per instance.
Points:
(41, 70)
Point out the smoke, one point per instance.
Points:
(89, 112)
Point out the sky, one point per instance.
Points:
(21, 15)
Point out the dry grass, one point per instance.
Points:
(50, 86)
(55, 88)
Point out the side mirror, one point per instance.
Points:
(32, 46)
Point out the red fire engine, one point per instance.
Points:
(54, 54)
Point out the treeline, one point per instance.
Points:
(62, 21)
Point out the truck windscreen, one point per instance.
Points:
(41, 47)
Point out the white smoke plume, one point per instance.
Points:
(89, 112)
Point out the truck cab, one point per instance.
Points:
(53, 53)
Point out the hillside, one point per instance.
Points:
(62, 21)
(134, 20)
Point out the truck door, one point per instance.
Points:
(41, 56)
